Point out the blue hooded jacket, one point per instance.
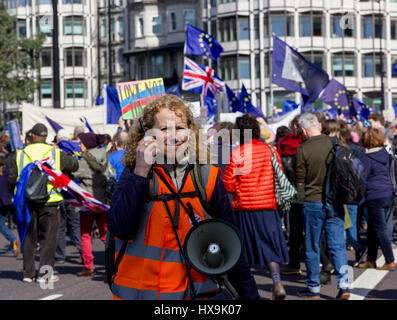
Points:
(377, 165)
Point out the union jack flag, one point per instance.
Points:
(70, 190)
(200, 79)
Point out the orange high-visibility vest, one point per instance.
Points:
(152, 267)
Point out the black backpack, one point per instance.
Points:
(346, 180)
(36, 186)
(111, 264)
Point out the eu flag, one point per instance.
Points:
(210, 104)
(174, 90)
(234, 103)
(337, 96)
(54, 125)
(331, 114)
(293, 72)
(289, 105)
(363, 109)
(247, 106)
(202, 44)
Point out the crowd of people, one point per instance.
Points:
(155, 204)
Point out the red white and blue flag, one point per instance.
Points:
(200, 79)
(71, 191)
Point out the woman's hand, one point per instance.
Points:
(146, 151)
(83, 148)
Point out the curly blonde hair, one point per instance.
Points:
(168, 101)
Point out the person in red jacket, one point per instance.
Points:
(249, 177)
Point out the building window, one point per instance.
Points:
(74, 26)
(227, 30)
(22, 28)
(257, 67)
(245, 67)
(75, 89)
(244, 30)
(73, 1)
(172, 16)
(156, 25)
(44, 1)
(282, 25)
(157, 66)
(311, 25)
(393, 31)
(373, 99)
(256, 27)
(104, 29)
(140, 29)
(337, 30)
(189, 17)
(112, 29)
(228, 68)
(372, 27)
(372, 65)
(46, 58)
(44, 25)
(46, 89)
(343, 65)
(74, 57)
(121, 27)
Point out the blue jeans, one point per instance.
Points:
(318, 215)
(7, 233)
(351, 233)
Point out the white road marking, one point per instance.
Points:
(368, 280)
(53, 297)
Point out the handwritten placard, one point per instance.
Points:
(135, 95)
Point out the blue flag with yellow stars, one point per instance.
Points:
(246, 105)
(211, 105)
(331, 114)
(363, 109)
(199, 43)
(293, 72)
(234, 103)
(336, 95)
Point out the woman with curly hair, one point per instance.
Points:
(147, 214)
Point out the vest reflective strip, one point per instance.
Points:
(137, 249)
(136, 294)
(149, 252)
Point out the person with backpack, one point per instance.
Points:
(158, 197)
(380, 198)
(92, 174)
(254, 202)
(346, 182)
(312, 160)
(44, 211)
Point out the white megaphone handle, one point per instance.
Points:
(224, 280)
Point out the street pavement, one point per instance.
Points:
(371, 284)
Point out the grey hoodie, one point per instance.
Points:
(93, 172)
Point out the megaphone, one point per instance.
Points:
(213, 247)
